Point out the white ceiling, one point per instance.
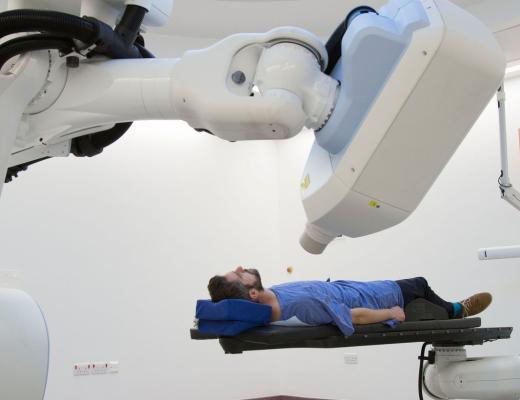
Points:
(219, 18)
(203, 21)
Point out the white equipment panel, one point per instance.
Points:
(368, 171)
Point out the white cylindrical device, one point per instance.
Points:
(314, 240)
(493, 253)
(24, 347)
(489, 378)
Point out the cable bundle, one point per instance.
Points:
(51, 30)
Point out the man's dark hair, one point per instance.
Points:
(220, 288)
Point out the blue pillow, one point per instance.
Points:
(225, 328)
(233, 310)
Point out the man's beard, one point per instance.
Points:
(258, 284)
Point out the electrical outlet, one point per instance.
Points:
(96, 368)
(113, 367)
(81, 369)
(99, 367)
(350, 358)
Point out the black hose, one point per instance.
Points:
(17, 21)
(145, 53)
(124, 42)
(333, 45)
(128, 27)
(126, 35)
(29, 43)
(119, 43)
(88, 30)
(93, 144)
(110, 44)
(12, 172)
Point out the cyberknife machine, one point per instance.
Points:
(414, 80)
(390, 98)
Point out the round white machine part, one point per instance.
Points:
(24, 347)
(453, 376)
(493, 253)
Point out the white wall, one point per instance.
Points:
(461, 213)
(117, 248)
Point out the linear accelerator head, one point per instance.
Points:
(414, 79)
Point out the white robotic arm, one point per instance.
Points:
(282, 65)
(259, 86)
(414, 78)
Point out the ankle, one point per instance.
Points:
(457, 310)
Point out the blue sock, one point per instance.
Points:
(457, 309)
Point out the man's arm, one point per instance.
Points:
(363, 316)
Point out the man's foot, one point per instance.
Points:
(475, 304)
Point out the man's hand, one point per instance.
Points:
(362, 316)
(397, 313)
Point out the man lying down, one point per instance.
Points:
(343, 303)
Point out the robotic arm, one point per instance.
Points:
(403, 88)
(279, 65)
(259, 86)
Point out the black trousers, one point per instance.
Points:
(418, 288)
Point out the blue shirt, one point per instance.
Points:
(318, 302)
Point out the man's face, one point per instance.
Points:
(243, 275)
